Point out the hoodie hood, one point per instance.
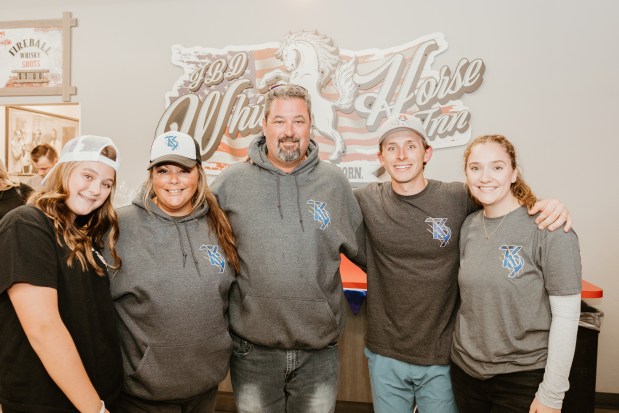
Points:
(138, 201)
(179, 223)
(258, 154)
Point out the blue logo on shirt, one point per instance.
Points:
(511, 260)
(320, 213)
(170, 140)
(440, 231)
(214, 256)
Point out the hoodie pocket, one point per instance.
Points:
(169, 372)
(286, 322)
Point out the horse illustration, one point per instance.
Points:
(311, 61)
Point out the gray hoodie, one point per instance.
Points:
(290, 230)
(171, 296)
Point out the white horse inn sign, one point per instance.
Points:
(218, 98)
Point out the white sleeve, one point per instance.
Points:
(565, 310)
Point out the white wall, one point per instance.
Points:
(550, 86)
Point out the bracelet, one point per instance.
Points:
(102, 407)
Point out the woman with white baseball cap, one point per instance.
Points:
(59, 350)
(171, 295)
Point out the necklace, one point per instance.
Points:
(483, 218)
(98, 254)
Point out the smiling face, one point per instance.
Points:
(287, 131)
(174, 187)
(489, 175)
(90, 184)
(403, 155)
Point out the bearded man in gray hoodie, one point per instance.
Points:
(292, 215)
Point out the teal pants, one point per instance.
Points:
(397, 386)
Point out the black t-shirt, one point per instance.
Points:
(12, 198)
(29, 253)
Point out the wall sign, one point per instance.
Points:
(35, 57)
(218, 97)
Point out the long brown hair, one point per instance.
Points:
(216, 217)
(523, 192)
(79, 240)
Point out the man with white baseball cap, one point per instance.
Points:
(413, 228)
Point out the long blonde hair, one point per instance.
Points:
(79, 240)
(217, 220)
(523, 192)
(5, 181)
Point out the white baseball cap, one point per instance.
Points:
(86, 148)
(402, 121)
(175, 147)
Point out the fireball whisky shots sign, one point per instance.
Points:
(35, 57)
(218, 98)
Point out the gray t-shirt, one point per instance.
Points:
(505, 280)
(412, 254)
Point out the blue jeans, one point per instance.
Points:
(503, 393)
(397, 386)
(270, 380)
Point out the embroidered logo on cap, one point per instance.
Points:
(170, 140)
(401, 120)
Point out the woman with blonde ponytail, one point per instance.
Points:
(171, 295)
(59, 350)
(515, 330)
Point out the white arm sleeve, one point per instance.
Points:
(565, 310)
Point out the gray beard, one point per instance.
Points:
(288, 156)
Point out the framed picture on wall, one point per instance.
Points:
(27, 128)
(36, 57)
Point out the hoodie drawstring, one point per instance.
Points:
(298, 195)
(193, 255)
(296, 185)
(180, 237)
(279, 199)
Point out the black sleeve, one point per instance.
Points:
(27, 249)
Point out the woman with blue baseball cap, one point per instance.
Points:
(59, 350)
(171, 295)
